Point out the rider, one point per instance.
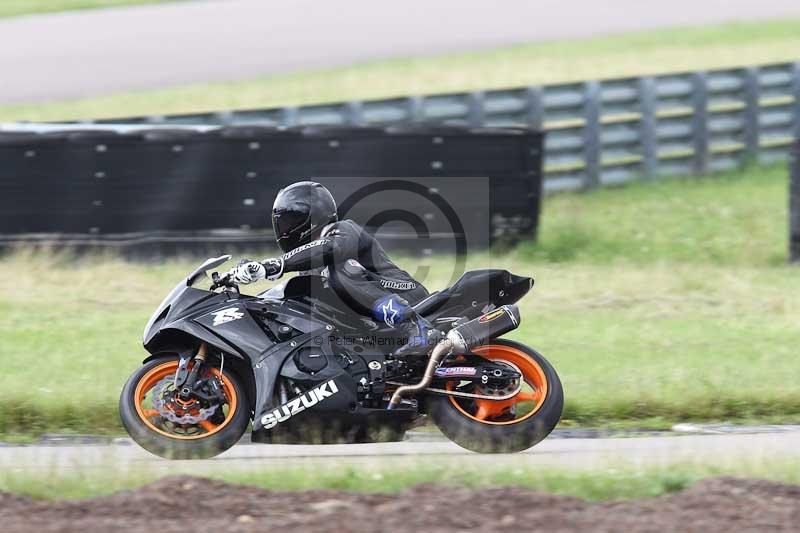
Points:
(315, 241)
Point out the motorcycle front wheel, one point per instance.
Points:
(161, 423)
(502, 426)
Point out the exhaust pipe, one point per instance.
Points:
(462, 339)
(489, 326)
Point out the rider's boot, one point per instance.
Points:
(418, 334)
(420, 337)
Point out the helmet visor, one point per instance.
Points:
(289, 224)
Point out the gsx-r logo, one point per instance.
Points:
(226, 315)
(299, 404)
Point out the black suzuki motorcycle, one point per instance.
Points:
(303, 368)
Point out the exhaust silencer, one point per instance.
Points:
(485, 327)
(462, 339)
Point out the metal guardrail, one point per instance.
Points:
(599, 132)
(794, 205)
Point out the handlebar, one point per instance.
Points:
(222, 281)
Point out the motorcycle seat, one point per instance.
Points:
(432, 302)
(473, 291)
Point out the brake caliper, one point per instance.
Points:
(170, 407)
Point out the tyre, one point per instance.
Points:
(213, 429)
(511, 425)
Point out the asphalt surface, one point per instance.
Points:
(82, 54)
(734, 447)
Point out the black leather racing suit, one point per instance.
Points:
(360, 272)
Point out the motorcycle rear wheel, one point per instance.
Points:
(513, 425)
(150, 430)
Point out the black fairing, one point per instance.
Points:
(292, 331)
(175, 323)
(475, 293)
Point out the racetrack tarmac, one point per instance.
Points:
(587, 454)
(83, 54)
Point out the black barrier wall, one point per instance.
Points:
(187, 188)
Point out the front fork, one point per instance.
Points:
(185, 379)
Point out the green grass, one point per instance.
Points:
(604, 484)
(634, 54)
(15, 8)
(681, 308)
(736, 219)
(657, 303)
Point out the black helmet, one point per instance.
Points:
(300, 211)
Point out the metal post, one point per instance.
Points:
(752, 95)
(475, 116)
(289, 116)
(353, 113)
(591, 134)
(225, 118)
(794, 205)
(534, 118)
(796, 92)
(415, 108)
(648, 134)
(700, 122)
(534, 108)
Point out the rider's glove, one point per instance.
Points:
(248, 272)
(273, 268)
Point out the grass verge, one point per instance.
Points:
(681, 309)
(607, 484)
(634, 54)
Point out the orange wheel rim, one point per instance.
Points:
(158, 373)
(533, 376)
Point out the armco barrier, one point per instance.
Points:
(794, 206)
(600, 132)
(181, 189)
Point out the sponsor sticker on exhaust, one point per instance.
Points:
(491, 316)
(298, 405)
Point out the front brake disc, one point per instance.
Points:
(161, 394)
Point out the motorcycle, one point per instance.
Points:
(303, 368)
